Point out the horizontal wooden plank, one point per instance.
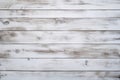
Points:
(59, 24)
(59, 36)
(60, 64)
(60, 75)
(59, 51)
(59, 4)
(59, 13)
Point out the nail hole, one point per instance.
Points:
(6, 22)
(28, 59)
(86, 62)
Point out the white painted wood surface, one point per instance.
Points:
(60, 64)
(60, 51)
(60, 24)
(60, 4)
(59, 40)
(59, 75)
(59, 13)
(59, 36)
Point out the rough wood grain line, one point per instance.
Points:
(60, 4)
(61, 64)
(59, 24)
(59, 36)
(59, 51)
(59, 13)
(60, 75)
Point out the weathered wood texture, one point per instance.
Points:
(59, 75)
(60, 64)
(59, 51)
(59, 36)
(59, 40)
(59, 13)
(59, 24)
(60, 4)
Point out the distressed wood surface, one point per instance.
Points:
(59, 51)
(60, 64)
(59, 4)
(59, 36)
(59, 24)
(59, 75)
(59, 40)
(59, 13)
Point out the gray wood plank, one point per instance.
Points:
(59, 24)
(59, 51)
(59, 13)
(60, 64)
(59, 4)
(59, 75)
(59, 36)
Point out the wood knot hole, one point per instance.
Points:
(6, 22)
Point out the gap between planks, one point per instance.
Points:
(30, 58)
(83, 30)
(87, 43)
(65, 9)
(65, 18)
(60, 30)
(59, 17)
(62, 9)
(59, 71)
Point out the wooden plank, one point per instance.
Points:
(59, 13)
(59, 51)
(60, 75)
(60, 64)
(60, 4)
(59, 24)
(59, 36)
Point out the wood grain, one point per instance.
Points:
(59, 75)
(59, 51)
(60, 64)
(59, 36)
(59, 40)
(59, 24)
(59, 4)
(59, 13)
